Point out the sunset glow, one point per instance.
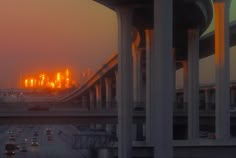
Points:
(59, 80)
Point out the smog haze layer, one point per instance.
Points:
(51, 35)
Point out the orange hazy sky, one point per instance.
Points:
(50, 35)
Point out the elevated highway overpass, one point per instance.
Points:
(109, 68)
(87, 117)
(156, 37)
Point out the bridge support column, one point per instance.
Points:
(134, 132)
(221, 8)
(206, 93)
(161, 80)
(92, 104)
(108, 92)
(91, 99)
(124, 82)
(137, 84)
(149, 35)
(232, 96)
(193, 84)
(174, 77)
(185, 76)
(84, 102)
(108, 100)
(98, 90)
(116, 78)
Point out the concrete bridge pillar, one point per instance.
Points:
(98, 92)
(161, 81)
(137, 82)
(149, 35)
(221, 8)
(185, 77)
(232, 96)
(84, 102)
(108, 92)
(193, 84)
(108, 83)
(206, 93)
(124, 82)
(212, 97)
(174, 77)
(116, 78)
(91, 99)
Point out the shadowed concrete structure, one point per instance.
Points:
(155, 38)
(178, 25)
(147, 47)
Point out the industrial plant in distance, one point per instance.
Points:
(56, 80)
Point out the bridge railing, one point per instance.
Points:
(204, 108)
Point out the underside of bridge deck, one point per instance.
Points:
(186, 14)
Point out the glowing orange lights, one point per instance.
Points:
(26, 83)
(67, 73)
(60, 81)
(31, 82)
